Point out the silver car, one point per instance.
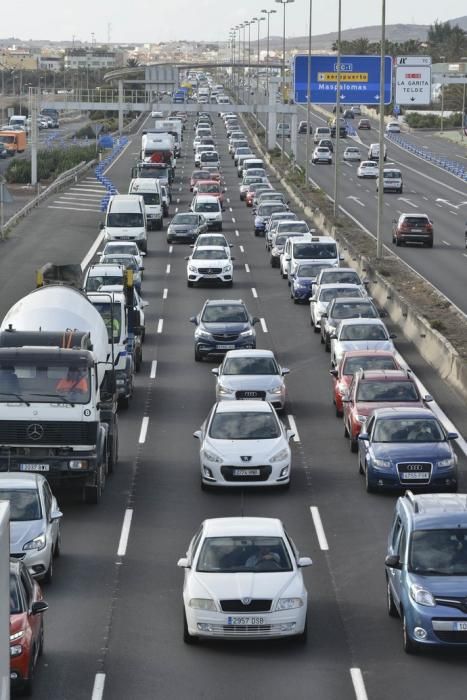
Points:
(251, 374)
(34, 520)
(359, 334)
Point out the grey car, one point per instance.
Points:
(251, 374)
(186, 226)
(344, 307)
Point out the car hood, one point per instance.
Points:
(256, 381)
(441, 586)
(209, 262)
(258, 450)
(22, 532)
(18, 622)
(233, 586)
(218, 328)
(412, 451)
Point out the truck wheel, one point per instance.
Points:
(93, 492)
(113, 456)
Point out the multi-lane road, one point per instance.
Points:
(114, 626)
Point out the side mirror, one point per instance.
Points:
(231, 245)
(142, 253)
(363, 436)
(427, 398)
(183, 563)
(198, 434)
(100, 252)
(304, 561)
(215, 371)
(393, 562)
(232, 258)
(254, 320)
(290, 434)
(55, 515)
(324, 314)
(187, 257)
(142, 267)
(312, 300)
(333, 372)
(101, 226)
(38, 607)
(194, 320)
(392, 335)
(452, 436)
(284, 371)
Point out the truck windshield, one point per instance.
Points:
(150, 197)
(44, 383)
(125, 220)
(7, 139)
(111, 315)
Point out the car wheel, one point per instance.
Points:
(229, 283)
(316, 328)
(339, 413)
(397, 241)
(369, 488)
(321, 339)
(284, 276)
(28, 683)
(169, 240)
(410, 647)
(353, 445)
(124, 402)
(49, 574)
(187, 637)
(327, 345)
(40, 650)
(198, 356)
(360, 468)
(391, 606)
(401, 190)
(429, 244)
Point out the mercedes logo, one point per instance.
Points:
(35, 431)
(246, 601)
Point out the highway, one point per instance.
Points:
(115, 620)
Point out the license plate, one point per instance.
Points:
(246, 472)
(416, 475)
(225, 347)
(461, 626)
(245, 620)
(34, 467)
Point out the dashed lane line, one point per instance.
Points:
(322, 541)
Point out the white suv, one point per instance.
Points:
(210, 208)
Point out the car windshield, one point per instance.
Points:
(150, 198)
(295, 226)
(407, 430)
(309, 270)
(320, 251)
(242, 151)
(387, 391)
(207, 254)
(416, 220)
(391, 175)
(128, 261)
(268, 209)
(224, 313)
(243, 553)
(438, 552)
(353, 310)
(250, 365)
(244, 425)
(116, 248)
(200, 175)
(209, 157)
(352, 364)
(25, 504)
(330, 294)
(204, 240)
(363, 332)
(191, 219)
(44, 382)
(207, 206)
(203, 187)
(124, 220)
(273, 196)
(340, 277)
(95, 282)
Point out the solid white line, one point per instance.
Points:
(358, 684)
(247, 267)
(160, 325)
(98, 689)
(254, 292)
(242, 250)
(122, 545)
(144, 430)
(263, 325)
(323, 543)
(119, 155)
(164, 293)
(92, 251)
(167, 269)
(152, 374)
(293, 426)
(454, 212)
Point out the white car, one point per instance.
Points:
(368, 168)
(324, 294)
(243, 580)
(210, 263)
(321, 154)
(360, 334)
(243, 443)
(393, 128)
(251, 374)
(212, 239)
(352, 153)
(98, 276)
(123, 247)
(210, 208)
(202, 148)
(34, 520)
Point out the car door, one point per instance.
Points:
(28, 586)
(398, 546)
(349, 406)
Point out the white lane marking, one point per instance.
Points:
(263, 325)
(254, 292)
(407, 201)
(242, 250)
(358, 684)
(167, 269)
(428, 177)
(237, 233)
(230, 209)
(439, 205)
(178, 200)
(84, 189)
(152, 374)
(454, 212)
(164, 293)
(160, 325)
(425, 198)
(98, 689)
(171, 249)
(72, 201)
(356, 199)
(247, 267)
(180, 189)
(84, 195)
(144, 430)
(293, 426)
(233, 220)
(176, 210)
(73, 209)
(92, 251)
(446, 243)
(323, 543)
(228, 199)
(122, 545)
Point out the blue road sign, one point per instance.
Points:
(359, 79)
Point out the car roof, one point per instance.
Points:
(340, 285)
(366, 321)
(388, 375)
(243, 526)
(206, 198)
(404, 412)
(436, 510)
(249, 353)
(243, 406)
(12, 480)
(210, 302)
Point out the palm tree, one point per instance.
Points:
(132, 63)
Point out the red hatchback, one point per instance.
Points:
(350, 363)
(26, 626)
(198, 175)
(371, 389)
(211, 187)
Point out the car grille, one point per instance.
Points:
(250, 395)
(210, 270)
(17, 556)
(264, 473)
(47, 433)
(458, 603)
(245, 630)
(256, 605)
(405, 469)
(225, 337)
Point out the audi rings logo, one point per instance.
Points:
(414, 467)
(246, 601)
(35, 431)
(250, 393)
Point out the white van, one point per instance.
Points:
(282, 130)
(249, 163)
(19, 121)
(321, 132)
(310, 249)
(373, 151)
(125, 220)
(150, 190)
(392, 180)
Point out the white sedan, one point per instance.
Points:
(359, 334)
(321, 154)
(243, 443)
(393, 128)
(243, 580)
(352, 153)
(368, 168)
(210, 263)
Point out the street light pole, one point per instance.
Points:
(308, 99)
(243, 26)
(258, 20)
(283, 3)
(338, 111)
(268, 13)
(379, 226)
(250, 22)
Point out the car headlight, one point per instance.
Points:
(200, 333)
(289, 603)
(247, 333)
(276, 390)
(280, 456)
(382, 463)
(38, 543)
(202, 604)
(192, 268)
(227, 268)
(448, 462)
(421, 596)
(17, 635)
(211, 456)
(225, 390)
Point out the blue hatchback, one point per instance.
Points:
(303, 279)
(406, 447)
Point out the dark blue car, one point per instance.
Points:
(303, 279)
(222, 325)
(401, 448)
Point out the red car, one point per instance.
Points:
(378, 388)
(253, 190)
(350, 363)
(26, 626)
(199, 175)
(212, 187)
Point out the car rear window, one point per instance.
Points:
(353, 364)
(333, 292)
(320, 251)
(250, 365)
(416, 220)
(386, 391)
(354, 309)
(363, 332)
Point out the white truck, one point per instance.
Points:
(158, 147)
(174, 127)
(58, 405)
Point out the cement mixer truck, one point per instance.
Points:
(58, 404)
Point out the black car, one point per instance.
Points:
(302, 128)
(348, 114)
(345, 307)
(222, 325)
(186, 226)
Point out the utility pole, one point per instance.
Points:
(33, 132)
(308, 99)
(338, 112)
(379, 225)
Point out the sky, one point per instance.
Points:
(151, 21)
